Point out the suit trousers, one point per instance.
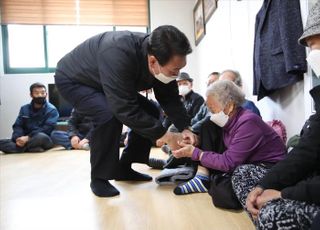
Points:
(105, 139)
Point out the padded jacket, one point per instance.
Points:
(298, 176)
(30, 122)
(116, 64)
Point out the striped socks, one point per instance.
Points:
(199, 183)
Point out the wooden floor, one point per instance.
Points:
(51, 191)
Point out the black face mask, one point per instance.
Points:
(39, 100)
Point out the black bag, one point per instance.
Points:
(222, 192)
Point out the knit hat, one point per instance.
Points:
(313, 24)
(184, 76)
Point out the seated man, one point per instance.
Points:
(241, 137)
(203, 114)
(192, 101)
(287, 195)
(34, 124)
(79, 134)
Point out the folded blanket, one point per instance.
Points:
(175, 175)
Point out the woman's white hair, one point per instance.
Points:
(225, 91)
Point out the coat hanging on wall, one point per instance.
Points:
(279, 60)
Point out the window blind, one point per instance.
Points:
(75, 12)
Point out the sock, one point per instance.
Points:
(103, 188)
(125, 172)
(156, 163)
(199, 183)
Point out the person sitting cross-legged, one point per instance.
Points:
(79, 134)
(241, 137)
(34, 124)
(287, 195)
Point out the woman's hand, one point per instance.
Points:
(251, 202)
(267, 195)
(186, 150)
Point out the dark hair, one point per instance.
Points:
(37, 85)
(214, 73)
(167, 41)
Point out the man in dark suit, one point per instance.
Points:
(102, 78)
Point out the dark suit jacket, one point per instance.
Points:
(279, 60)
(116, 64)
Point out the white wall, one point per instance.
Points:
(228, 43)
(178, 13)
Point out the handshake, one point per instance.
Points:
(182, 144)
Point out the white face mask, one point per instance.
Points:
(163, 78)
(314, 61)
(184, 90)
(220, 118)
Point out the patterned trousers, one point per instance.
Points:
(275, 214)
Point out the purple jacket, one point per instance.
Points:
(248, 139)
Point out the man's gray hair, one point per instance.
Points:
(237, 77)
(225, 91)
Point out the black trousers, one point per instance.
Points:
(105, 141)
(41, 140)
(211, 139)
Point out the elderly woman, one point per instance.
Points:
(247, 139)
(288, 195)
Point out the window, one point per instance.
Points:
(36, 34)
(37, 48)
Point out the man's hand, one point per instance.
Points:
(160, 142)
(171, 139)
(75, 142)
(22, 141)
(251, 202)
(189, 137)
(186, 150)
(267, 195)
